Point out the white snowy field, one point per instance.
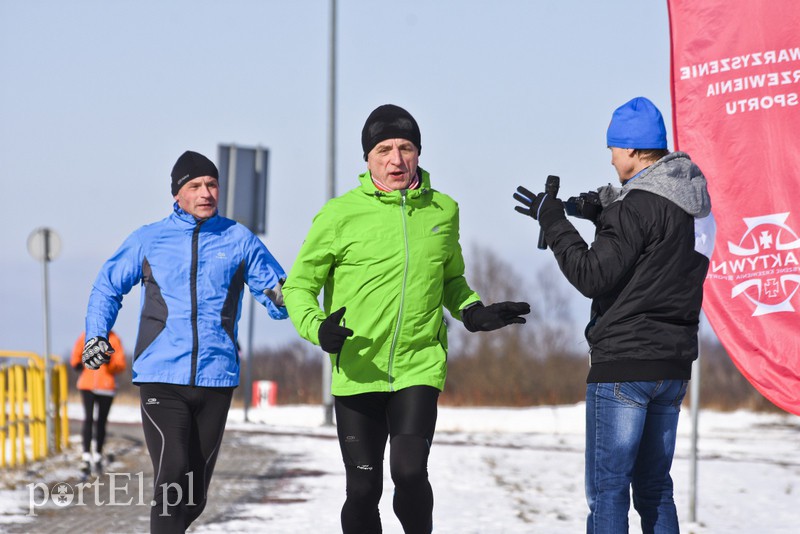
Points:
(521, 471)
(504, 470)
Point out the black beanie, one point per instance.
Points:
(189, 166)
(389, 122)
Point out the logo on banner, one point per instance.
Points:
(763, 265)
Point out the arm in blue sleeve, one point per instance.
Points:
(264, 274)
(116, 278)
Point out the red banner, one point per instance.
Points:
(736, 112)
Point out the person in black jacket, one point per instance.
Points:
(644, 273)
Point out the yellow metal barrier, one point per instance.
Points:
(23, 412)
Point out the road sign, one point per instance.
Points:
(44, 244)
(243, 185)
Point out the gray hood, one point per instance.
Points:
(674, 177)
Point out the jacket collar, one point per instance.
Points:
(368, 188)
(188, 218)
(676, 178)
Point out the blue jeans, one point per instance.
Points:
(631, 429)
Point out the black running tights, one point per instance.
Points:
(183, 427)
(103, 407)
(364, 422)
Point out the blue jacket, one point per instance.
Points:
(193, 275)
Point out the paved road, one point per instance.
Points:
(244, 473)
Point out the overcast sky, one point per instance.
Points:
(98, 99)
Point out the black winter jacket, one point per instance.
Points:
(642, 273)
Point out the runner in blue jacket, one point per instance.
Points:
(192, 266)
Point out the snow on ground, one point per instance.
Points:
(508, 471)
(521, 471)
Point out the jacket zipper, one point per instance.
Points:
(193, 290)
(402, 289)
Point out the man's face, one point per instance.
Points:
(623, 161)
(393, 163)
(199, 196)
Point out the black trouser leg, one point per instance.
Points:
(207, 439)
(412, 421)
(363, 431)
(103, 407)
(88, 419)
(413, 495)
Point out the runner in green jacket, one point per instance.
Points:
(387, 254)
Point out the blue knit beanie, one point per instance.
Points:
(637, 124)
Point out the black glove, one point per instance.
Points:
(545, 208)
(331, 335)
(78, 367)
(484, 318)
(96, 352)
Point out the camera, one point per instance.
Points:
(584, 206)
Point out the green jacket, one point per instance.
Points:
(393, 259)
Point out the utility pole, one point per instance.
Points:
(327, 399)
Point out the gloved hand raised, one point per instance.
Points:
(331, 335)
(96, 352)
(484, 318)
(543, 207)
